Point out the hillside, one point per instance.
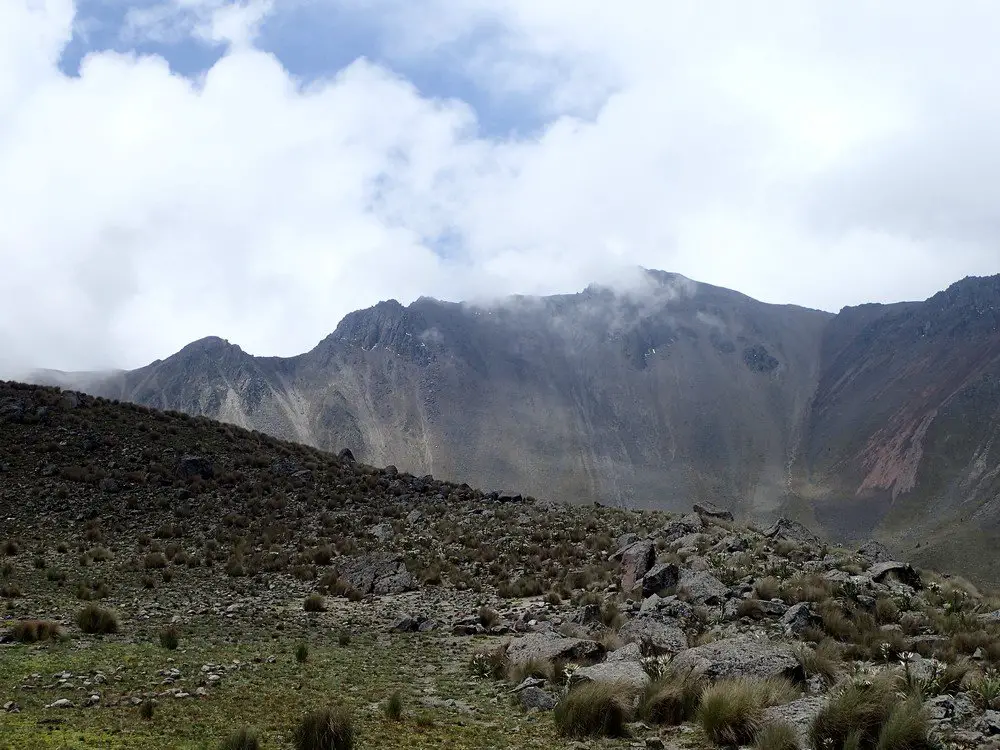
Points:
(879, 421)
(167, 580)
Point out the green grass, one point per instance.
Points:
(271, 697)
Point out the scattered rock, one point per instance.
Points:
(710, 510)
(903, 572)
(742, 656)
(549, 646)
(798, 714)
(799, 617)
(654, 635)
(61, 703)
(703, 588)
(636, 562)
(378, 574)
(628, 673)
(660, 577)
(785, 528)
(534, 698)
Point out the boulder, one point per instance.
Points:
(710, 510)
(799, 617)
(535, 698)
(903, 572)
(636, 562)
(654, 635)
(622, 671)
(703, 588)
(874, 552)
(628, 652)
(742, 656)
(798, 714)
(189, 467)
(377, 574)
(785, 528)
(346, 455)
(661, 576)
(547, 646)
(382, 532)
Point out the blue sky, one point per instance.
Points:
(256, 169)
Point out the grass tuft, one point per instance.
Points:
(97, 620)
(325, 729)
(241, 739)
(731, 711)
(777, 736)
(595, 709)
(673, 698)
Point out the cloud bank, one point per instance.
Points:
(799, 152)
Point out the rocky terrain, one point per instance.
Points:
(166, 580)
(880, 421)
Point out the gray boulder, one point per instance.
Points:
(703, 588)
(624, 672)
(710, 510)
(798, 714)
(799, 617)
(874, 552)
(654, 635)
(785, 528)
(377, 574)
(189, 467)
(534, 698)
(636, 562)
(661, 576)
(742, 656)
(548, 646)
(903, 572)
(628, 652)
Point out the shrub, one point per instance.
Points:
(146, 709)
(855, 714)
(11, 547)
(595, 709)
(314, 603)
(344, 638)
(490, 663)
(535, 667)
(768, 588)
(155, 560)
(672, 699)
(33, 631)
(906, 728)
(886, 611)
(731, 711)
(241, 739)
(326, 729)
(301, 653)
(11, 591)
(824, 660)
(777, 736)
(986, 691)
(97, 620)
(488, 617)
(170, 637)
(394, 707)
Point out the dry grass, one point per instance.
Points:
(731, 711)
(595, 709)
(673, 698)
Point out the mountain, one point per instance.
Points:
(882, 419)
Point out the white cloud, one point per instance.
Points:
(799, 152)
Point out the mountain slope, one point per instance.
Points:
(670, 391)
(881, 420)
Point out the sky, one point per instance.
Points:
(173, 169)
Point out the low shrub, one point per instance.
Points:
(595, 709)
(34, 631)
(97, 620)
(731, 711)
(325, 729)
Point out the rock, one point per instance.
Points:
(742, 656)
(654, 635)
(799, 617)
(674, 530)
(189, 467)
(629, 652)
(950, 709)
(11, 707)
(406, 624)
(586, 615)
(874, 552)
(346, 455)
(625, 541)
(903, 572)
(376, 573)
(989, 723)
(636, 562)
(654, 743)
(534, 698)
(650, 604)
(61, 703)
(703, 588)
(549, 646)
(660, 577)
(528, 682)
(798, 714)
(382, 532)
(92, 700)
(785, 528)
(625, 672)
(413, 517)
(710, 510)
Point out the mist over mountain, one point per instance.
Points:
(880, 420)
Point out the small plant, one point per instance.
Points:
(595, 709)
(301, 653)
(170, 638)
(731, 711)
(855, 715)
(97, 620)
(33, 631)
(155, 561)
(824, 660)
(11, 547)
(11, 591)
(314, 603)
(344, 638)
(146, 710)
(241, 739)
(326, 729)
(986, 691)
(777, 736)
(492, 663)
(394, 707)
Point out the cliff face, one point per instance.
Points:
(880, 420)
